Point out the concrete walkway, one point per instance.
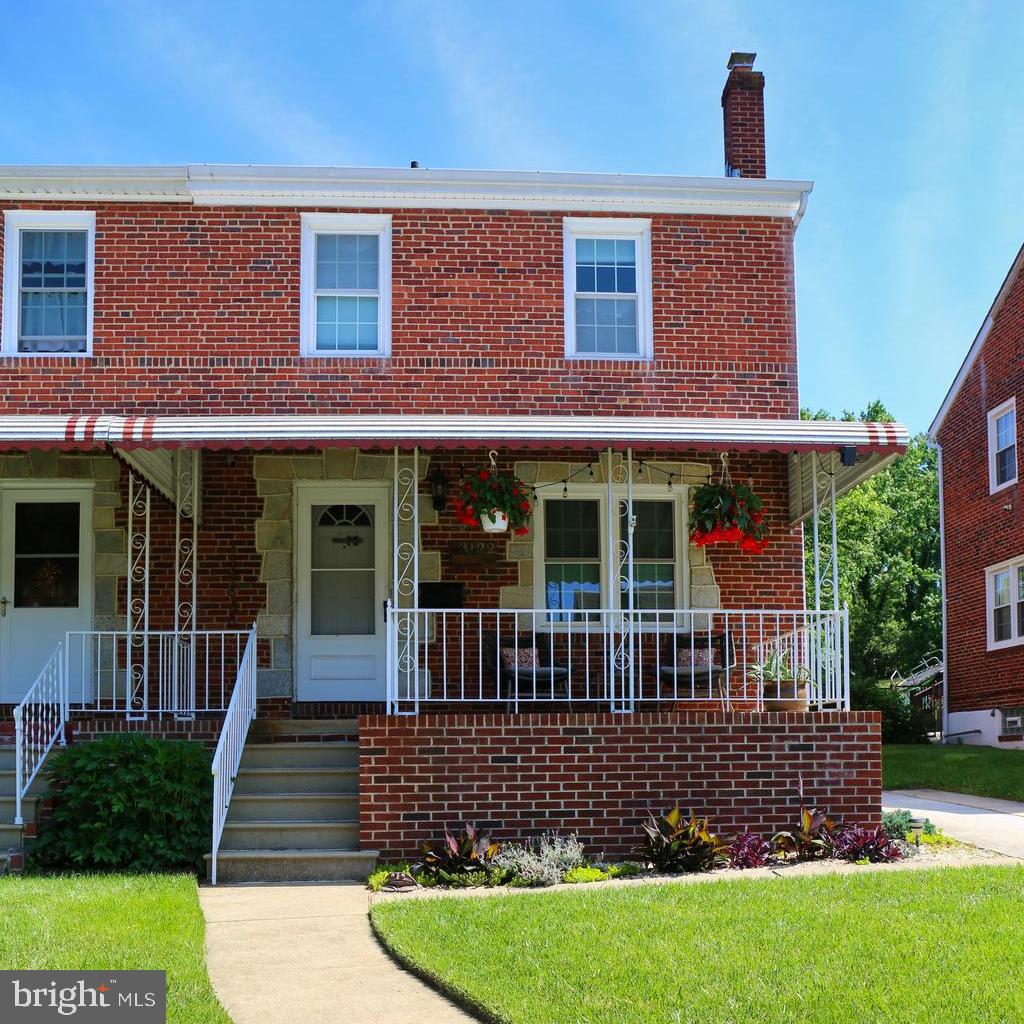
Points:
(305, 954)
(996, 825)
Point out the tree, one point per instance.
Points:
(889, 569)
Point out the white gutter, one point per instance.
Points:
(354, 187)
(942, 574)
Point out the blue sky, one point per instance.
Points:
(907, 116)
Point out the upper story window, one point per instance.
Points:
(346, 284)
(48, 282)
(1005, 600)
(608, 288)
(1002, 445)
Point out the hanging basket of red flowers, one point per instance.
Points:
(728, 513)
(494, 501)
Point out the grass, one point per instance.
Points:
(921, 947)
(100, 922)
(983, 771)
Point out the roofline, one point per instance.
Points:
(976, 346)
(375, 187)
(457, 431)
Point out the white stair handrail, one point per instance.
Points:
(39, 722)
(240, 713)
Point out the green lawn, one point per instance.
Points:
(96, 922)
(918, 947)
(984, 771)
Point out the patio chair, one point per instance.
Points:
(521, 661)
(697, 662)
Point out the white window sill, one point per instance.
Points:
(1002, 487)
(1000, 645)
(598, 357)
(342, 354)
(87, 354)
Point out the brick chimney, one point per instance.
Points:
(743, 118)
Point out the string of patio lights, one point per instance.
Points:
(588, 469)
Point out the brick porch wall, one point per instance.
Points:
(598, 774)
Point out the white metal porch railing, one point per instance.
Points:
(153, 672)
(240, 713)
(755, 658)
(39, 722)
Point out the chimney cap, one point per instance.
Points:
(741, 60)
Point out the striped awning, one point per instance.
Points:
(407, 431)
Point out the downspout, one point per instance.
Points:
(942, 573)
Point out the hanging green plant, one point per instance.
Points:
(728, 513)
(493, 501)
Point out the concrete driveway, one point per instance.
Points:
(996, 825)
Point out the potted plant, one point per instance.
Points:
(493, 501)
(728, 513)
(783, 686)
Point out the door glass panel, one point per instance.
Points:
(342, 570)
(46, 554)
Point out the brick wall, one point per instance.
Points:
(197, 310)
(982, 529)
(598, 774)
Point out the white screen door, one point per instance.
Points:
(45, 578)
(342, 584)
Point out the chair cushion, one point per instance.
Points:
(698, 657)
(519, 657)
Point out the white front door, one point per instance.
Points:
(342, 545)
(45, 577)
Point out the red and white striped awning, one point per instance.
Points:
(405, 431)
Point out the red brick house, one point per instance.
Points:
(976, 431)
(239, 405)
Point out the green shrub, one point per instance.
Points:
(672, 843)
(901, 722)
(627, 869)
(896, 824)
(127, 803)
(456, 857)
(543, 860)
(585, 874)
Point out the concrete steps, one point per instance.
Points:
(12, 837)
(294, 814)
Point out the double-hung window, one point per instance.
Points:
(1005, 602)
(573, 550)
(1002, 445)
(48, 282)
(607, 288)
(346, 284)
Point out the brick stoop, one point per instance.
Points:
(294, 814)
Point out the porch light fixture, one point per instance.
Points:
(439, 490)
(848, 455)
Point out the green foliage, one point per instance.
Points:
(889, 574)
(487, 491)
(777, 668)
(896, 824)
(727, 514)
(812, 840)
(901, 721)
(627, 869)
(958, 768)
(673, 844)
(456, 857)
(127, 803)
(376, 878)
(585, 874)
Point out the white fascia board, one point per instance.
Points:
(396, 188)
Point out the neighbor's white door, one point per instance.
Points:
(342, 559)
(46, 571)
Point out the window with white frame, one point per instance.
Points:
(607, 288)
(1005, 603)
(1002, 445)
(572, 548)
(48, 282)
(346, 284)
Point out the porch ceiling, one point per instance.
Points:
(405, 431)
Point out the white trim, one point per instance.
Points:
(607, 227)
(422, 188)
(1016, 637)
(16, 221)
(314, 224)
(610, 594)
(1010, 405)
(945, 595)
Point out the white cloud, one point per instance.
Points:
(230, 85)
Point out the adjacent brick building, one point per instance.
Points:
(977, 432)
